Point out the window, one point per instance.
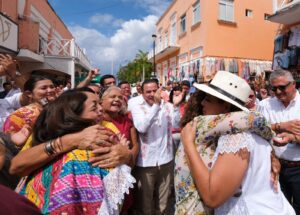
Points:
(248, 13)
(173, 31)
(183, 24)
(166, 40)
(226, 12)
(196, 12)
(266, 16)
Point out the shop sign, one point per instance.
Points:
(8, 34)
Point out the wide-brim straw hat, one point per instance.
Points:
(228, 87)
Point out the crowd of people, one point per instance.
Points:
(223, 147)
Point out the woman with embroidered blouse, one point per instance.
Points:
(235, 177)
(67, 181)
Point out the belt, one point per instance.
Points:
(286, 163)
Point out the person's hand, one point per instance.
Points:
(157, 96)
(19, 138)
(275, 169)
(93, 73)
(292, 126)
(108, 157)
(283, 138)
(93, 136)
(188, 133)
(123, 140)
(8, 66)
(177, 99)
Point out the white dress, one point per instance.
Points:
(257, 194)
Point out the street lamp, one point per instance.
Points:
(153, 75)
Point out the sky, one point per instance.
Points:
(111, 31)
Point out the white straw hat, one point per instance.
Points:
(228, 87)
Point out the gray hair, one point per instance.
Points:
(123, 110)
(109, 89)
(281, 72)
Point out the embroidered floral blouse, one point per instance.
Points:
(209, 129)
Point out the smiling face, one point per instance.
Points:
(112, 101)
(92, 108)
(283, 89)
(43, 89)
(214, 106)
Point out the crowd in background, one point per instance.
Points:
(144, 148)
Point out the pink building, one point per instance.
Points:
(33, 33)
(196, 38)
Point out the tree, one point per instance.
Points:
(136, 69)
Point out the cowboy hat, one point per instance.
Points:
(228, 87)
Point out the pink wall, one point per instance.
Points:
(251, 37)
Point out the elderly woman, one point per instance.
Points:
(116, 119)
(246, 188)
(67, 182)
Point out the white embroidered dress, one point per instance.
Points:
(257, 195)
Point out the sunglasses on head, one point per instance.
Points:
(280, 87)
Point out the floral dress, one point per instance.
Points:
(209, 129)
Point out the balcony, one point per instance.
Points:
(286, 12)
(64, 48)
(163, 51)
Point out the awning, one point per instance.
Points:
(289, 15)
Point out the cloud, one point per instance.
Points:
(122, 47)
(155, 7)
(105, 19)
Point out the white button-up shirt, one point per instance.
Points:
(276, 112)
(7, 106)
(154, 125)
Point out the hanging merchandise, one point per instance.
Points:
(294, 39)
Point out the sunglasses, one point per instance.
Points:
(280, 87)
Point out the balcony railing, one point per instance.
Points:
(64, 47)
(283, 4)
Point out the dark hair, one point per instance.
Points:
(105, 77)
(123, 82)
(185, 83)
(148, 81)
(83, 89)
(177, 88)
(31, 82)
(194, 108)
(60, 117)
(6, 84)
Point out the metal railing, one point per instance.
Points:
(63, 47)
(282, 4)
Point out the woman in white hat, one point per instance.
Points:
(238, 182)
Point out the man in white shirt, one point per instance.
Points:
(283, 112)
(154, 173)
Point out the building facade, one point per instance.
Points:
(33, 33)
(287, 40)
(196, 38)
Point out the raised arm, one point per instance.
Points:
(233, 123)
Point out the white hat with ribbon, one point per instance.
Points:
(228, 87)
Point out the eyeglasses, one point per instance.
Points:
(280, 87)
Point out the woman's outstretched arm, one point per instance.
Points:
(35, 157)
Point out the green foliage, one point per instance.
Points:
(133, 71)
